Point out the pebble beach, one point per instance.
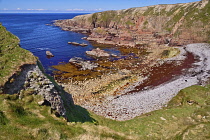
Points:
(127, 107)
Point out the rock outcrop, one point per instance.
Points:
(83, 64)
(32, 79)
(78, 44)
(49, 54)
(98, 53)
(175, 24)
(20, 75)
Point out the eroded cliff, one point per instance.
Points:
(20, 75)
(176, 24)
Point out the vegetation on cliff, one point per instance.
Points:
(186, 117)
(12, 57)
(180, 23)
(19, 76)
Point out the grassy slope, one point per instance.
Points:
(11, 55)
(186, 117)
(177, 121)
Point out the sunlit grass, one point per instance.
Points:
(12, 56)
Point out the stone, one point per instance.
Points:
(41, 102)
(83, 44)
(84, 32)
(48, 53)
(98, 53)
(83, 64)
(78, 44)
(74, 43)
(84, 38)
(40, 79)
(162, 118)
(199, 117)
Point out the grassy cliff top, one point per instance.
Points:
(186, 117)
(12, 56)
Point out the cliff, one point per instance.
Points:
(20, 75)
(177, 24)
(12, 57)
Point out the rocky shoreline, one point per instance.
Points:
(156, 27)
(129, 106)
(161, 24)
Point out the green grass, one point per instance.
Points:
(149, 11)
(130, 23)
(192, 17)
(22, 119)
(186, 116)
(170, 53)
(3, 119)
(11, 55)
(179, 116)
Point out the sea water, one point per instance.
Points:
(37, 36)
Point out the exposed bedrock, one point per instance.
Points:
(32, 80)
(176, 24)
(83, 64)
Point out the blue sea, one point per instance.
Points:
(36, 36)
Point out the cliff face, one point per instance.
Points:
(20, 75)
(177, 24)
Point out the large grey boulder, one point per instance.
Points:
(83, 64)
(98, 53)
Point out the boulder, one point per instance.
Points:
(74, 43)
(83, 64)
(98, 53)
(78, 44)
(48, 53)
(41, 102)
(84, 38)
(83, 44)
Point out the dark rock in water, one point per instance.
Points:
(98, 53)
(83, 44)
(74, 43)
(49, 54)
(84, 38)
(113, 55)
(84, 32)
(49, 24)
(77, 44)
(85, 65)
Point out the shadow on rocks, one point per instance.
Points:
(74, 113)
(30, 77)
(16, 82)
